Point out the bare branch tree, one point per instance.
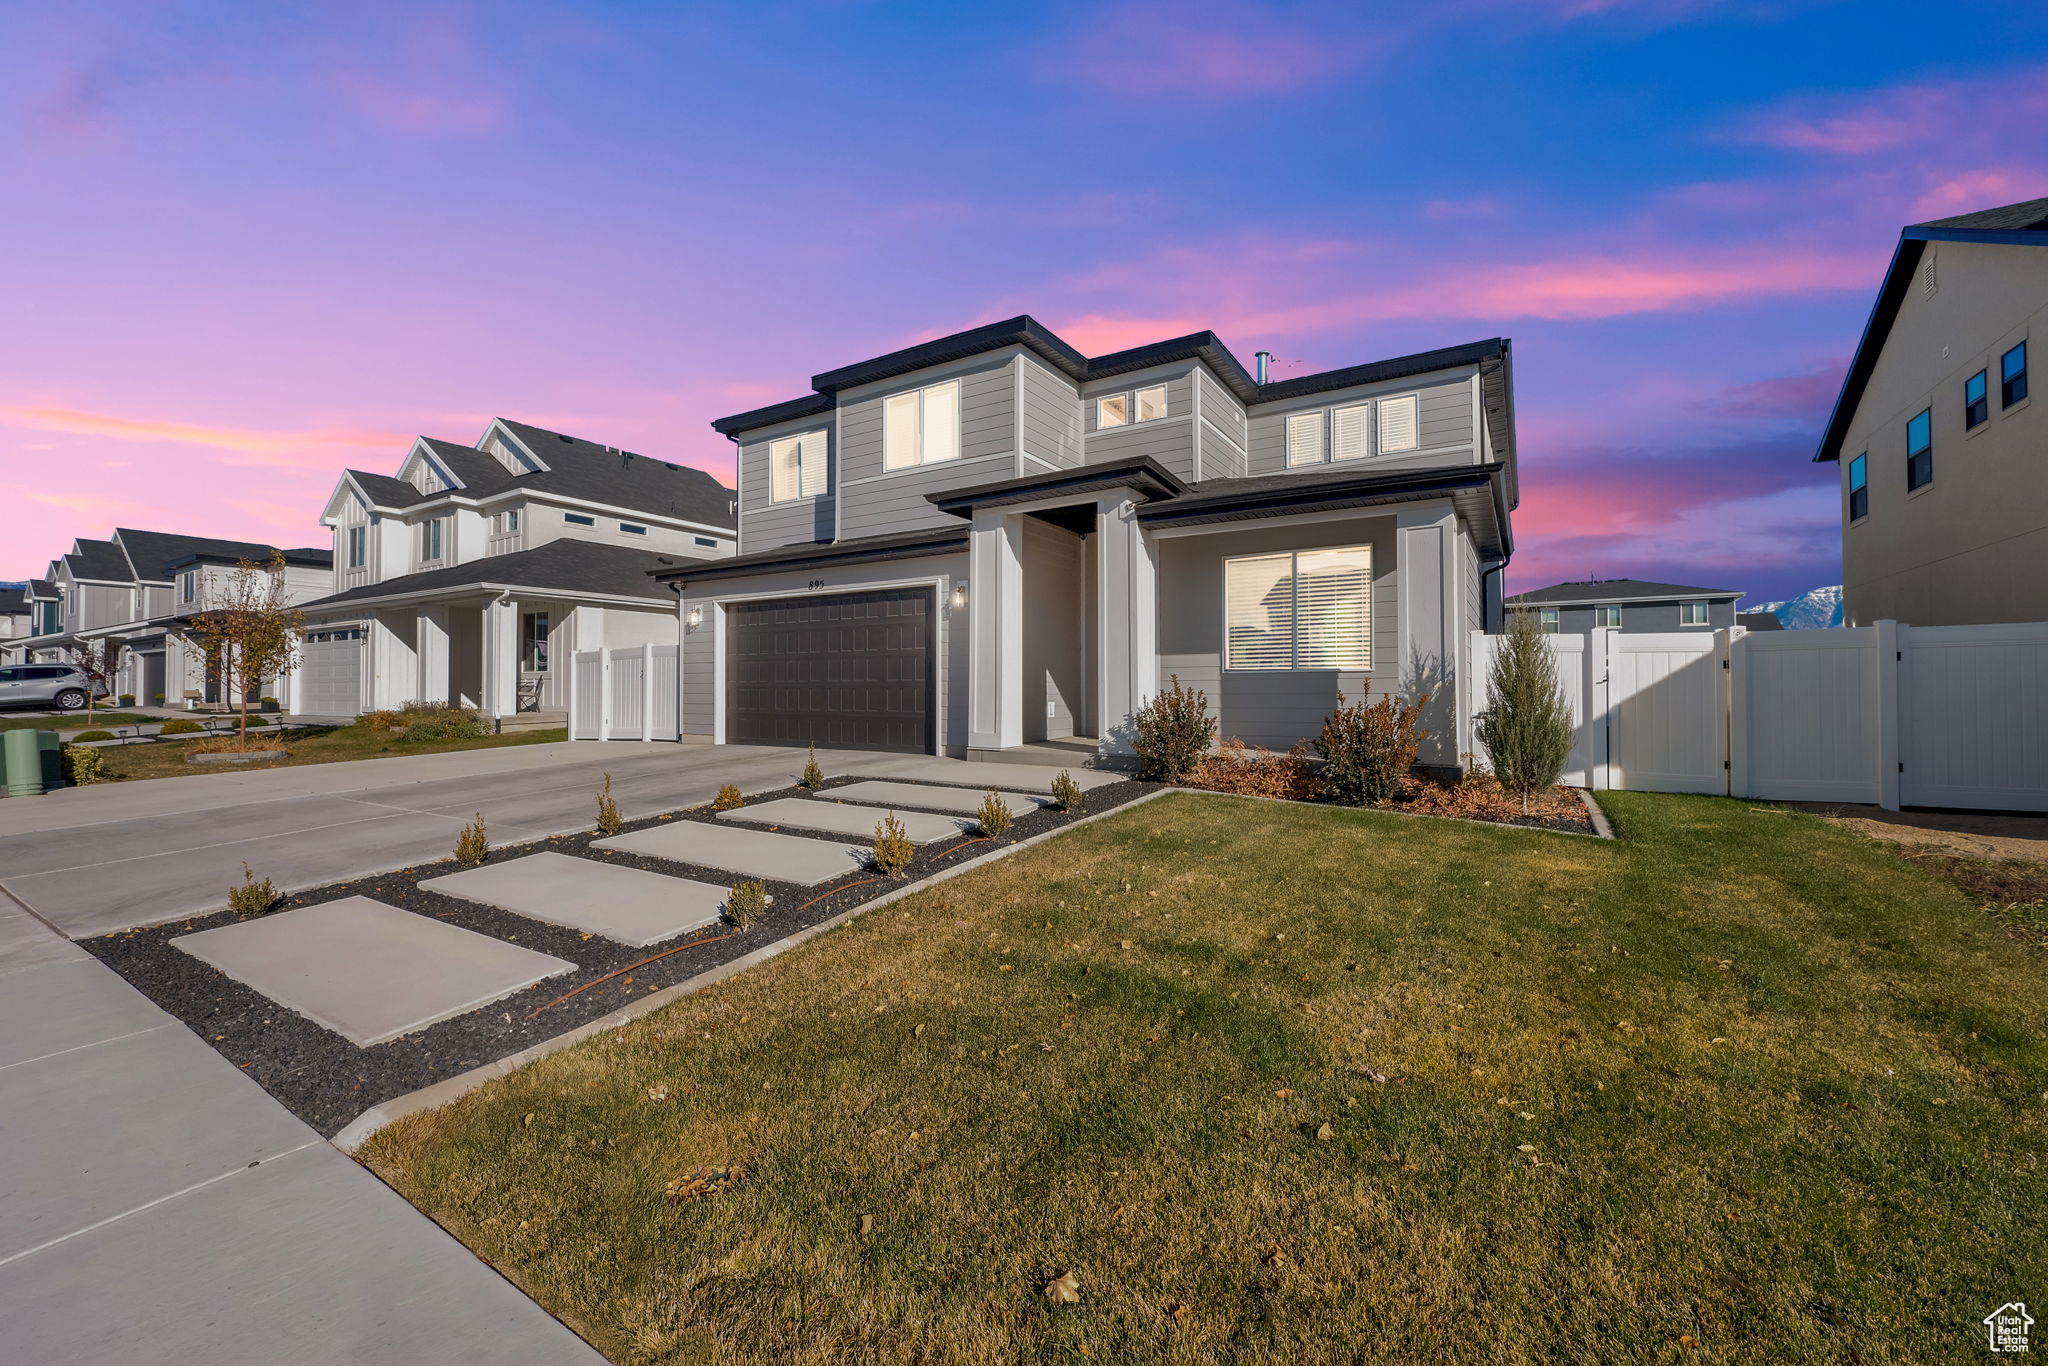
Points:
(99, 660)
(248, 631)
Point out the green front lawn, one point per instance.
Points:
(75, 720)
(1741, 1087)
(308, 745)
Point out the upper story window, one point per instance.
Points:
(1347, 433)
(358, 546)
(921, 427)
(2012, 376)
(1400, 423)
(1547, 620)
(1859, 488)
(1976, 401)
(1112, 410)
(431, 533)
(1304, 438)
(632, 530)
(1151, 403)
(188, 585)
(797, 466)
(1607, 614)
(1120, 410)
(705, 541)
(578, 519)
(1920, 449)
(511, 519)
(1301, 609)
(1692, 614)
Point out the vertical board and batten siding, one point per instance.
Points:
(1973, 716)
(883, 502)
(1282, 707)
(1170, 440)
(1051, 418)
(766, 524)
(1444, 417)
(1220, 437)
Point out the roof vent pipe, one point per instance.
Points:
(1265, 363)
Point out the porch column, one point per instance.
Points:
(1426, 559)
(1126, 621)
(501, 658)
(434, 683)
(995, 611)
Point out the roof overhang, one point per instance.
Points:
(1475, 490)
(329, 607)
(1143, 476)
(872, 550)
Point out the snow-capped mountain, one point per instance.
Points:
(1816, 609)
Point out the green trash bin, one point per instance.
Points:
(21, 762)
(53, 760)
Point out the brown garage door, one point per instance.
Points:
(848, 671)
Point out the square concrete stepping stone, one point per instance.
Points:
(807, 813)
(964, 800)
(630, 905)
(368, 971)
(748, 853)
(979, 773)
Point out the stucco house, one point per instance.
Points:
(1944, 507)
(1629, 605)
(465, 576)
(991, 544)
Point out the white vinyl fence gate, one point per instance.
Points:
(1946, 716)
(629, 694)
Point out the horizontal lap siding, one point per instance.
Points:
(1277, 709)
(1169, 440)
(766, 524)
(881, 502)
(1052, 415)
(1222, 435)
(1445, 414)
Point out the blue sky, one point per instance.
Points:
(245, 252)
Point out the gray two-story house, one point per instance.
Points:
(991, 543)
(1632, 605)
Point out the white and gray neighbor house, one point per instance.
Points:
(1634, 605)
(143, 588)
(992, 545)
(1944, 500)
(469, 575)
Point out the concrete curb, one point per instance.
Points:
(360, 1129)
(1601, 829)
(1600, 825)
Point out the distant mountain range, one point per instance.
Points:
(1817, 609)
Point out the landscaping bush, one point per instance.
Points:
(259, 721)
(893, 849)
(1258, 772)
(83, 767)
(473, 845)
(994, 815)
(253, 895)
(1066, 793)
(1368, 748)
(159, 698)
(1174, 731)
(728, 798)
(814, 777)
(180, 726)
(378, 720)
(421, 730)
(745, 903)
(465, 725)
(1527, 724)
(608, 821)
(127, 699)
(86, 736)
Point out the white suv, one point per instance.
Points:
(57, 687)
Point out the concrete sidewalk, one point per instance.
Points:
(156, 1206)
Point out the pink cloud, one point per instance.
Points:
(1978, 189)
(1949, 116)
(251, 446)
(1151, 48)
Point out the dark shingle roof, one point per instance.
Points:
(385, 491)
(13, 600)
(99, 560)
(566, 565)
(1618, 590)
(153, 552)
(2021, 224)
(41, 588)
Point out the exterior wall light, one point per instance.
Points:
(695, 618)
(960, 595)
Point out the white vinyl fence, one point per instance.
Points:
(1893, 715)
(624, 694)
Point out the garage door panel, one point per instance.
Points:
(852, 670)
(330, 673)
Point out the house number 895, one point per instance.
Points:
(817, 583)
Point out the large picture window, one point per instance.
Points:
(1300, 609)
(921, 427)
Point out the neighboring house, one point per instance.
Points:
(142, 588)
(991, 541)
(16, 614)
(1759, 621)
(471, 575)
(1630, 605)
(1944, 501)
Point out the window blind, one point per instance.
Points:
(1348, 428)
(782, 459)
(1309, 609)
(1258, 596)
(1304, 438)
(941, 422)
(810, 461)
(899, 431)
(1399, 424)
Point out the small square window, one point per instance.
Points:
(1547, 618)
(2012, 376)
(1152, 403)
(1607, 614)
(1692, 614)
(1976, 401)
(512, 519)
(1920, 450)
(1113, 411)
(1859, 488)
(1305, 439)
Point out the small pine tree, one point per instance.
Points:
(994, 815)
(253, 895)
(893, 849)
(728, 799)
(1066, 793)
(1527, 724)
(608, 819)
(473, 845)
(814, 777)
(745, 903)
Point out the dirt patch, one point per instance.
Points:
(1980, 834)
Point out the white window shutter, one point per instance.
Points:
(1258, 611)
(1348, 431)
(941, 422)
(782, 460)
(899, 431)
(1333, 608)
(1399, 424)
(1304, 438)
(810, 464)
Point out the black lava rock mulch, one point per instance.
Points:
(327, 1081)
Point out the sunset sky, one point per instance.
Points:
(242, 247)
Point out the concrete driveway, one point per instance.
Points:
(95, 859)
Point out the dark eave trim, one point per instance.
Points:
(1022, 330)
(789, 410)
(1290, 495)
(1143, 475)
(938, 542)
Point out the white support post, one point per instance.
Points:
(573, 671)
(1737, 714)
(1599, 704)
(1889, 650)
(1724, 700)
(604, 693)
(430, 649)
(995, 608)
(1126, 621)
(1426, 555)
(646, 692)
(501, 658)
